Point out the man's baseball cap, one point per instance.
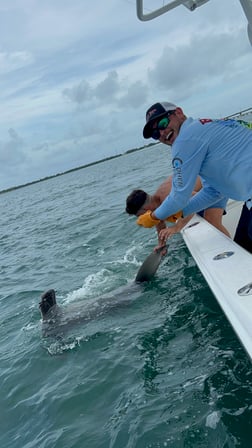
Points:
(154, 112)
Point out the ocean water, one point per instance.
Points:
(154, 365)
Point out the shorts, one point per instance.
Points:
(243, 234)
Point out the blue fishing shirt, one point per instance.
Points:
(220, 151)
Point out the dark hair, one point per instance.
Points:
(135, 201)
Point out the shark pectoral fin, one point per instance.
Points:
(149, 266)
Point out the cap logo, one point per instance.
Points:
(150, 113)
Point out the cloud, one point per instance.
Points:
(135, 95)
(191, 66)
(108, 88)
(10, 61)
(105, 90)
(11, 150)
(79, 93)
(112, 90)
(78, 76)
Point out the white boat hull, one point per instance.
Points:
(227, 268)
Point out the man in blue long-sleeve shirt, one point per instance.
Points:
(220, 151)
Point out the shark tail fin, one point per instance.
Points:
(48, 300)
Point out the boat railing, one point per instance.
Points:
(191, 5)
(242, 113)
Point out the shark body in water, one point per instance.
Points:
(57, 319)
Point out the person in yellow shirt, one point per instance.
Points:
(139, 202)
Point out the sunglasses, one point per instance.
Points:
(161, 125)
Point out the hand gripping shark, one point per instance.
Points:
(56, 317)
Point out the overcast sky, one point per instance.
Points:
(77, 77)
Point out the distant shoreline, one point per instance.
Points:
(236, 115)
(76, 169)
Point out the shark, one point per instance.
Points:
(56, 318)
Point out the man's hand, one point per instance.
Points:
(162, 248)
(166, 233)
(146, 220)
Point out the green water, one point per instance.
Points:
(160, 368)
